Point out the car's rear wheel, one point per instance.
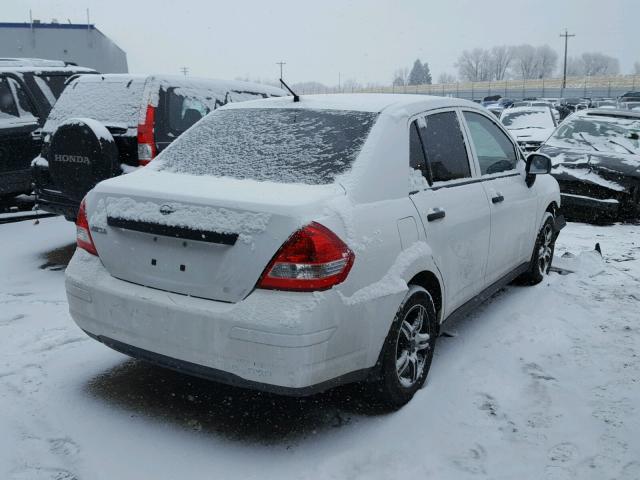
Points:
(408, 349)
(542, 256)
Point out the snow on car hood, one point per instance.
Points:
(613, 163)
(533, 134)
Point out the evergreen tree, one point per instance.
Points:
(417, 75)
(427, 73)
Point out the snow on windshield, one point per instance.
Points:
(107, 101)
(266, 144)
(599, 133)
(527, 119)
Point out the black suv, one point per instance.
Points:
(106, 125)
(28, 90)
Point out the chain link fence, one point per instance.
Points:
(589, 87)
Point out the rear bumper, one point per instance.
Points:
(578, 204)
(55, 202)
(15, 182)
(285, 342)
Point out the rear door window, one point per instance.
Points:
(445, 147)
(495, 152)
(26, 108)
(8, 107)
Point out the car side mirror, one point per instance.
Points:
(537, 164)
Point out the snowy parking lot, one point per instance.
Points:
(541, 382)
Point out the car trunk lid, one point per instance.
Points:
(213, 238)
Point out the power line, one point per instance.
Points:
(281, 64)
(184, 70)
(566, 36)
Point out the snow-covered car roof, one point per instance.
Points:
(43, 69)
(178, 81)
(389, 103)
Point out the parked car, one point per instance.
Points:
(567, 106)
(103, 126)
(596, 156)
(294, 246)
(630, 105)
(604, 104)
(28, 89)
(498, 107)
(629, 97)
(531, 126)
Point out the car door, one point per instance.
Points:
(452, 204)
(512, 202)
(23, 129)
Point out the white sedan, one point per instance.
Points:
(292, 246)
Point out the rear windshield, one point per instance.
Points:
(527, 119)
(266, 144)
(113, 103)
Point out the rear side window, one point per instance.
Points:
(56, 83)
(445, 147)
(184, 111)
(268, 144)
(8, 107)
(495, 151)
(25, 106)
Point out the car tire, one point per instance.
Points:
(413, 340)
(542, 255)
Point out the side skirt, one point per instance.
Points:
(472, 304)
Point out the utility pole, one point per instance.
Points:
(184, 71)
(281, 64)
(566, 36)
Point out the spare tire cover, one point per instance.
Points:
(81, 154)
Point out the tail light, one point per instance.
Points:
(313, 258)
(146, 137)
(83, 234)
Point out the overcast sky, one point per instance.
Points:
(361, 40)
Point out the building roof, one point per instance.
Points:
(60, 26)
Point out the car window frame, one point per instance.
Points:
(41, 115)
(520, 156)
(18, 119)
(435, 185)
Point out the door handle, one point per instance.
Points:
(497, 199)
(435, 214)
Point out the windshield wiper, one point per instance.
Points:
(587, 142)
(620, 145)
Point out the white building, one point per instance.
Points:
(82, 44)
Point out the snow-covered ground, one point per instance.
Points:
(540, 383)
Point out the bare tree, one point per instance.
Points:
(351, 85)
(525, 61)
(596, 63)
(474, 65)
(547, 61)
(400, 76)
(501, 57)
(575, 67)
(446, 78)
